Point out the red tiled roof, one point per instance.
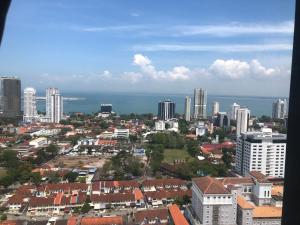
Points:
(114, 220)
(41, 201)
(209, 185)
(113, 197)
(138, 195)
(163, 182)
(161, 214)
(261, 178)
(237, 180)
(163, 194)
(115, 184)
(72, 221)
(177, 217)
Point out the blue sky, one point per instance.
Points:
(228, 47)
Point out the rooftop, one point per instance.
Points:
(243, 203)
(177, 216)
(209, 185)
(267, 212)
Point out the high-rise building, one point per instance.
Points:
(200, 101)
(106, 108)
(187, 108)
(242, 121)
(30, 112)
(234, 108)
(10, 97)
(262, 151)
(166, 110)
(222, 120)
(279, 109)
(215, 108)
(54, 105)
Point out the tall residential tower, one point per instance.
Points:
(242, 121)
(187, 108)
(30, 112)
(54, 105)
(166, 110)
(10, 97)
(200, 100)
(279, 109)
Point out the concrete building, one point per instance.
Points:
(160, 125)
(280, 109)
(187, 108)
(200, 101)
(234, 108)
(10, 97)
(166, 110)
(242, 122)
(30, 112)
(38, 142)
(105, 110)
(212, 203)
(222, 120)
(121, 133)
(200, 129)
(263, 151)
(54, 105)
(215, 108)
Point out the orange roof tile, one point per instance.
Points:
(243, 203)
(267, 212)
(209, 185)
(138, 195)
(177, 216)
(277, 190)
(72, 221)
(58, 197)
(114, 220)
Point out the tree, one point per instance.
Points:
(71, 176)
(52, 149)
(36, 178)
(3, 217)
(53, 178)
(227, 157)
(183, 126)
(192, 147)
(85, 208)
(133, 138)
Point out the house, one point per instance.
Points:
(160, 184)
(151, 216)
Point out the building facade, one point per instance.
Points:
(263, 151)
(30, 112)
(215, 108)
(234, 108)
(54, 105)
(10, 97)
(242, 122)
(200, 101)
(279, 109)
(222, 120)
(166, 110)
(187, 108)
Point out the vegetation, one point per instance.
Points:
(170, 155)
(71, 176)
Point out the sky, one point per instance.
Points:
(230, 47)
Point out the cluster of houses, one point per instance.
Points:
(61, 198)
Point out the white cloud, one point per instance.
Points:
(234, 29)
(134, 14)
(145, 64)
(233, 69)
(215, 48)
(259, 70)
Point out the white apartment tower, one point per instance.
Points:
(54, 105)
(234, 109)
(242, 121)
(279, 109)
(30, 112)
(262, 151)
(215, 108)
(200, 101)
(187, 108)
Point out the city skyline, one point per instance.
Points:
(128, 47)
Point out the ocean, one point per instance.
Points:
(125, 103)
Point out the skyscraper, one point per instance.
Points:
(187, 108)
(242, 123)
(215, 108)
(10, 97)
(54, 105)
(234, 108)
(200, 100)
(262, 151)
(166, 110)
(30, 112)
(279, 109)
